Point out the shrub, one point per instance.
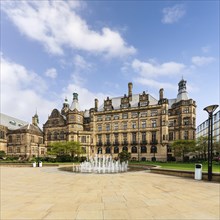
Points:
(124, 156)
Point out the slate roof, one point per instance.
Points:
(116, 102)
(11, 122)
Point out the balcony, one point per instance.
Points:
(107, 143)
(125, 142)
(154, 142)
(144, 142)
(99, 143)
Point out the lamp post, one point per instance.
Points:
(38, 162)
(210, 109)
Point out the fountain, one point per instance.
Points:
(101, 164)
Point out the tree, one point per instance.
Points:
(202, 146)
(124, 156)
(181, 147)
(2, 154)
(216, 147)
(65, 148)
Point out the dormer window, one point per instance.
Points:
(12, 122)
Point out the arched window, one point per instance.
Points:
(143, 149)
(99, 150)
(134, 150)
(116, 150)
(153, 149)
(125, 149)
(108, 150)
(143, 159)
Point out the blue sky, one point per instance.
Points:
(50, 49)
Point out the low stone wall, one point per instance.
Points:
(25, 165)
(183, 173)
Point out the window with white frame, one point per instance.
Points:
(143, 124)
(133, 124)
(154, 123)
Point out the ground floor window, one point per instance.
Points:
(125, 149)
(143, 149)
(134, 150)
(116, 150)
(108, 150)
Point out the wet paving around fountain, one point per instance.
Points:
(48, 193)
(130, 169)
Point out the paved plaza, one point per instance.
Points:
(46, 193)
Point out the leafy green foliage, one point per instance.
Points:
(181, 147)
(124, 156)
(201, 146)
(65, 149)
(2, 154)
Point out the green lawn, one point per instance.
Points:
(182, 166)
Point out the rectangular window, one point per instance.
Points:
(125, 136)
(83, 139)
(171, 136)
(143, 136)
(99, 118)
(154, 136)
(116, 117)
(154, 124)
(186, 135)
(134, 137)
(153, 112)
(143, 114)
(108, 137)
(100, 138)
(186, 121)
(143, 124)
(125, 115)
(133, 124)
(108, 127)
(186, 110)
(134, 114)
(116, 126)
(18, 138)
(108, 117)
(99, 127)
(125, 126)
(171, 123)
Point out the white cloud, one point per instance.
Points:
(22, 91)
(202, 61)
(52, 73)
(148, 72)
(147, 69)
(57, 25)
(81, 64)
(153, 83)
(173, 14)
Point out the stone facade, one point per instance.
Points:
(19, 138)
(137, 123)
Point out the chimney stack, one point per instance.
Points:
(161, 94)
(96, 104)
(130, 85)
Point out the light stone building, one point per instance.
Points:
(20, 138)
(137, 123)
